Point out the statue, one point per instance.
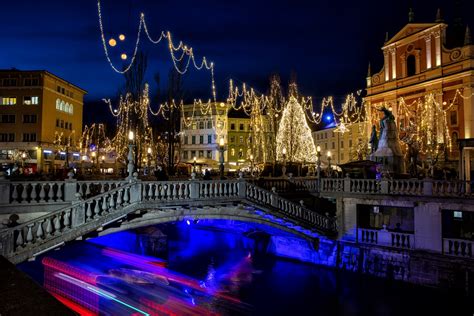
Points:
(388, 116)
(374, 140)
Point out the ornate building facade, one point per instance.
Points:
(429, 88)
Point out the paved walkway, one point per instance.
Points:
(20, 295)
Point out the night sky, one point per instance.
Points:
(328, 44)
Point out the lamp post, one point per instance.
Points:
(102, 158)
(94, 162)
(283, 169)
(149, 159)
(251, 165)
(318, 162)
(130, 166)
(221, 158)
(23, 158)
(194, 164)
(329, 164)
(82, 164)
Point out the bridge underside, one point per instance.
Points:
(243, 212)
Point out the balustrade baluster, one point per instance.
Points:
(96, 210)
(40, 231)
(88, 189)
(29, 234)
(104, 205)
(19, 239)
(15, 193)
(49, 227)
(24, 193)
(119, 198)
(57, 223)
(148, 191)
(112, 202)
(102, 188)
(33, 192)
(157, 192)
(67, 219)
(50, 193)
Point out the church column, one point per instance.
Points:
(403, 62)
(468, 107)
(418, 61)
(386, 65)
(428, 51)
(437, 36)
(393, 51)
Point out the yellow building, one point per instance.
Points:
(40, 119)
(343, 146)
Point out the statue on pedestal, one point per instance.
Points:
(374, 140)
(388, 151)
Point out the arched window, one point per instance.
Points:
(58, 104)
(71, 108)
(61, 106)
(411, 65)
(66, 108)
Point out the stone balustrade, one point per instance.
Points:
(218, 189)
(166, 190)
(290, 209)
(36, 192)
(453, 188)
(458, 247)
(91, 188)
(385, 238)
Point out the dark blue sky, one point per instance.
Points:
(326, 43)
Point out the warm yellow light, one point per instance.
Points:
(23, 155)
(149, 150)
(93, 154)
(221, 141)
(130, 135)
(84, 158)
(251, 157)
(123, 56)
(222, 104)
(329, 154)
(194, 159)
(284, 151)
(103, 157)
(318, 149)
(121, 37)
(112, 42)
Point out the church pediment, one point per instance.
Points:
(408, 30)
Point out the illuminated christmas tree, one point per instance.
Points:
(294, 140)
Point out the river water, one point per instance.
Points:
(216, 270)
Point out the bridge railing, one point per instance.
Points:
(290, 209)
(53, 225)
(36, 192)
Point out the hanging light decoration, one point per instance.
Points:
(122, 37)
(112, 42)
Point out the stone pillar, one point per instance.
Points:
(70, 190)
(274, 198)
(78, 214)
(194, 189)
(428, 227)
(347, 184)
(4, 191)
(384, 186)
(427, 186)
(428, 51)
(468, 107)
(347, 219)
(242, 186)
(393, 52)
(136, 192)
(437, 36)
(386, 65)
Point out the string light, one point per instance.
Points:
(112, 42)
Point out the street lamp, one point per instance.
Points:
(329, 163)
(82, 164)
(318, 161)
(102, 158)
(194, 164)
(283, 169)
(149, 159)
(221, 158)
(130, 166)
(251, 165)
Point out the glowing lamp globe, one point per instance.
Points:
(121, 37)
(112, 42)
(130, 135)
(221, 142)
(318, 149)
(123, 56)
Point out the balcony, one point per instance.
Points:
(385, 238)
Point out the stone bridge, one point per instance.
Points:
(73, 209)
(84, 208)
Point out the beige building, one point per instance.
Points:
(343, 146)
(40, 120)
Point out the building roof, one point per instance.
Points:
(43, 72)
(410, 29)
